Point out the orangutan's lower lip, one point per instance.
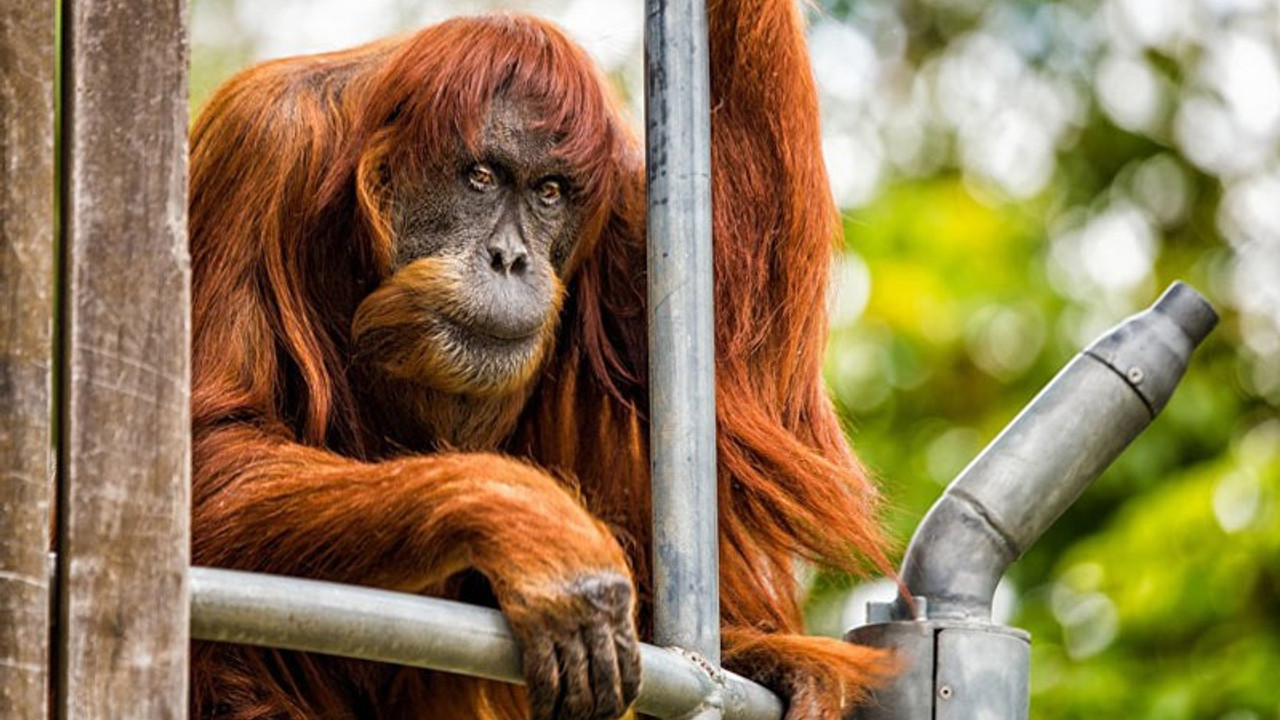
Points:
(504, 337)
(490, 339)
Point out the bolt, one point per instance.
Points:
(944, 692)
(1135, 375)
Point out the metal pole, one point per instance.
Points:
(681, 336)
(359, 622)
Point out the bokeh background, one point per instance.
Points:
(1017, 176)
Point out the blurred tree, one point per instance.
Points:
(1036, 172)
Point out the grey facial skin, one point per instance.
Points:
(497, 223)
(507, 216)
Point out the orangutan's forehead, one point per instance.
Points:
(513, 131)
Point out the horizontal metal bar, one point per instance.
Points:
(359, 622)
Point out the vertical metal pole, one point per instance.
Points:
(681, 335)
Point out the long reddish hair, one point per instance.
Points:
(294, 174)
(318, 200)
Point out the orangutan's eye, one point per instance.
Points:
(550, 193)
(482, 178)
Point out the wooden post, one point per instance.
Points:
(27, 289)
(124, 462)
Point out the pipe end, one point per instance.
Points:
(1190, 311)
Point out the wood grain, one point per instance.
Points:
(27, 41)
(125, 445)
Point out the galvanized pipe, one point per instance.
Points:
(359, 622)
(1024, 480)
(681, 338)
(957, 664)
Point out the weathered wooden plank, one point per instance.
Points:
(27, 41)
(125, 446)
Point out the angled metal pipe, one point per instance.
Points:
(1037, 467)
(358, 622)
(958, 664)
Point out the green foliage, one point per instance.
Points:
(1158, 594)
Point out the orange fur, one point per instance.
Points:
(296, 165)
